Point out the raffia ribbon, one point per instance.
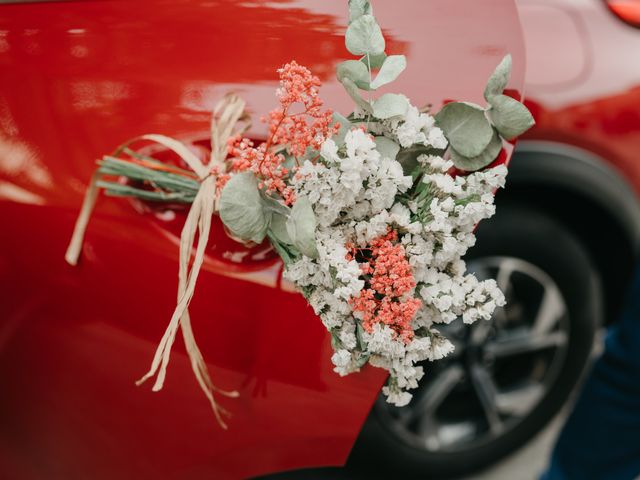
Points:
(227, 113)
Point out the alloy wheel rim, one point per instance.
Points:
(501, 368)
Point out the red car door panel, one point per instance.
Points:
(77, 79)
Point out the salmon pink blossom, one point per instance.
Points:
(389, 280)
(293, 132)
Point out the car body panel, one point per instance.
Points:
(77, 79)
(588, 121)
(598, 108)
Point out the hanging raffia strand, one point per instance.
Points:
(224, 124)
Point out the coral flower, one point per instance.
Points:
(389, 280)
(297, 132)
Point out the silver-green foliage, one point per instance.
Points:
(364, 38)
(301, 227)
(242, 209)
(475, 133)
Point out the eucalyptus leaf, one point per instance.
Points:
(466, 127)
(273, 205)
(374, 61)
(498, 79)
(287, 257)
(364, 36)
(509, 116)
(392, 67)
(362, 360)
(390, 105)
(357, 8)
(336, 343)
(289, 161)
(352, 90)
(387, 147)
(355, 71)
(345, 126)
(488, 155)
(360, 336)
(408, 157)
(301, 227)
(241, 208)
(278, 228)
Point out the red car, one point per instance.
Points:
(78, 78)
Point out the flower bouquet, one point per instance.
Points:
(370, 212)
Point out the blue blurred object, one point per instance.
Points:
(601, 439)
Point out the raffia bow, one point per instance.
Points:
(224, 124)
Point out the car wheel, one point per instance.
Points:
(508, 376)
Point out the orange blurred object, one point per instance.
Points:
(626, 10)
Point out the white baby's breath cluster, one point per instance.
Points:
(414, 128)
(359, 194)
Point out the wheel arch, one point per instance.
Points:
(587, 194)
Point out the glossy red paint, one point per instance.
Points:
(78, 78)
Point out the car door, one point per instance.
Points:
(78, 78)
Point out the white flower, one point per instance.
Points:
(435, 163)
(342, 361)
(414, 128)
(400, 215)
(397, 397)
(440, 348)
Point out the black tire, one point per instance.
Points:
(524, 233)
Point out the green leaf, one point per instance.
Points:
(289, 161)
(498, 79)
(488, 155)
(355, 71)
(287, 257)
(336, 343)
(278, 228)
(408, 157)
(362, 360)
(301, 227)
(364, 36)
(278, 214)
(273, 205)
(509, 116)
(360, 336)
(374, 61)
(387, 147)
(241, 208)
(357, 8)
(352, 90)
(390, 105)
(466, 127)
(391, 68)
(345, 126)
